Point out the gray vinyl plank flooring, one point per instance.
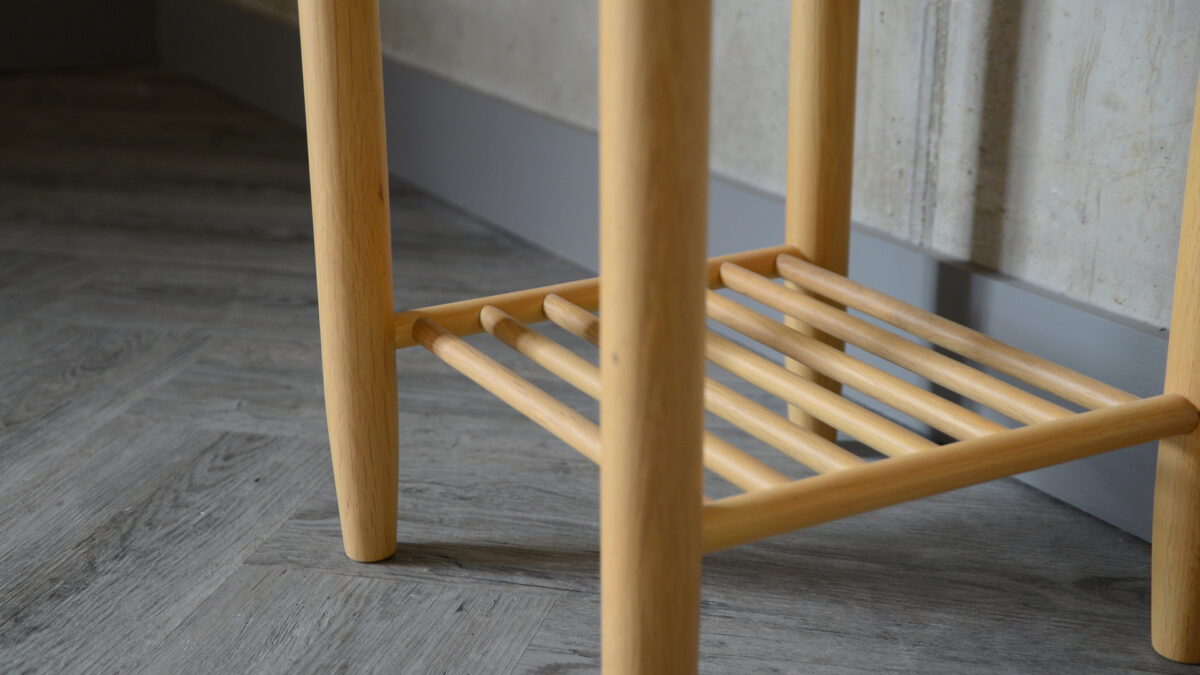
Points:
(30, 280)
(205, 297)
(907, 590)
(96, 603)
(54, 500)
(257, 623)
(166, 500)
(243, 383)
(523, 512)
(60, 381)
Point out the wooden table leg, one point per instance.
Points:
(824, 55)
(1175, 594)
(654, 84)
(343, 98)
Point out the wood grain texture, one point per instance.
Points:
(62, 381)
(821, 81)
(100, 599)
(751, 516)
(1176, 594)
(254, 623)
(253, 384)
(485, 502)
(972, 344)
(548, 412)
(59, 497)
(347, 155)
(462, 317)
(802, 445)
(744, 413)
(1046, 588)
(880, 434)
(833, 621)
(945, 371)
(720, 456)
(654, 100)
(902, 396)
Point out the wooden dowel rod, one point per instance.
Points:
(879, 433)
(953, 375)
(571, 367)
(972, 344)
(548, 412)
(462, 317)
(572, 318)
(732, 463)
(797, 442)
(801, 444)
(761, 260)
(723, 458)
(884, 387)
(818, 499)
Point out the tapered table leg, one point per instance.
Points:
(343, 98)
(1175, 586)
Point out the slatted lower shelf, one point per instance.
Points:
(846, 484)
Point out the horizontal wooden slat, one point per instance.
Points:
(879, 433)
(757, 420)
(548, 412)
(972, 344)
(720, 456)
(953, 375)
(799, 443)
(462, 317)
(752, 516)
(731, 463)
(571, 367)
(572, 318)
(884, 387)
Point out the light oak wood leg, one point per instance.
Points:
(824, 52)
(1175, 593)
(1175, 588)
(343, 98)
(653, 211)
